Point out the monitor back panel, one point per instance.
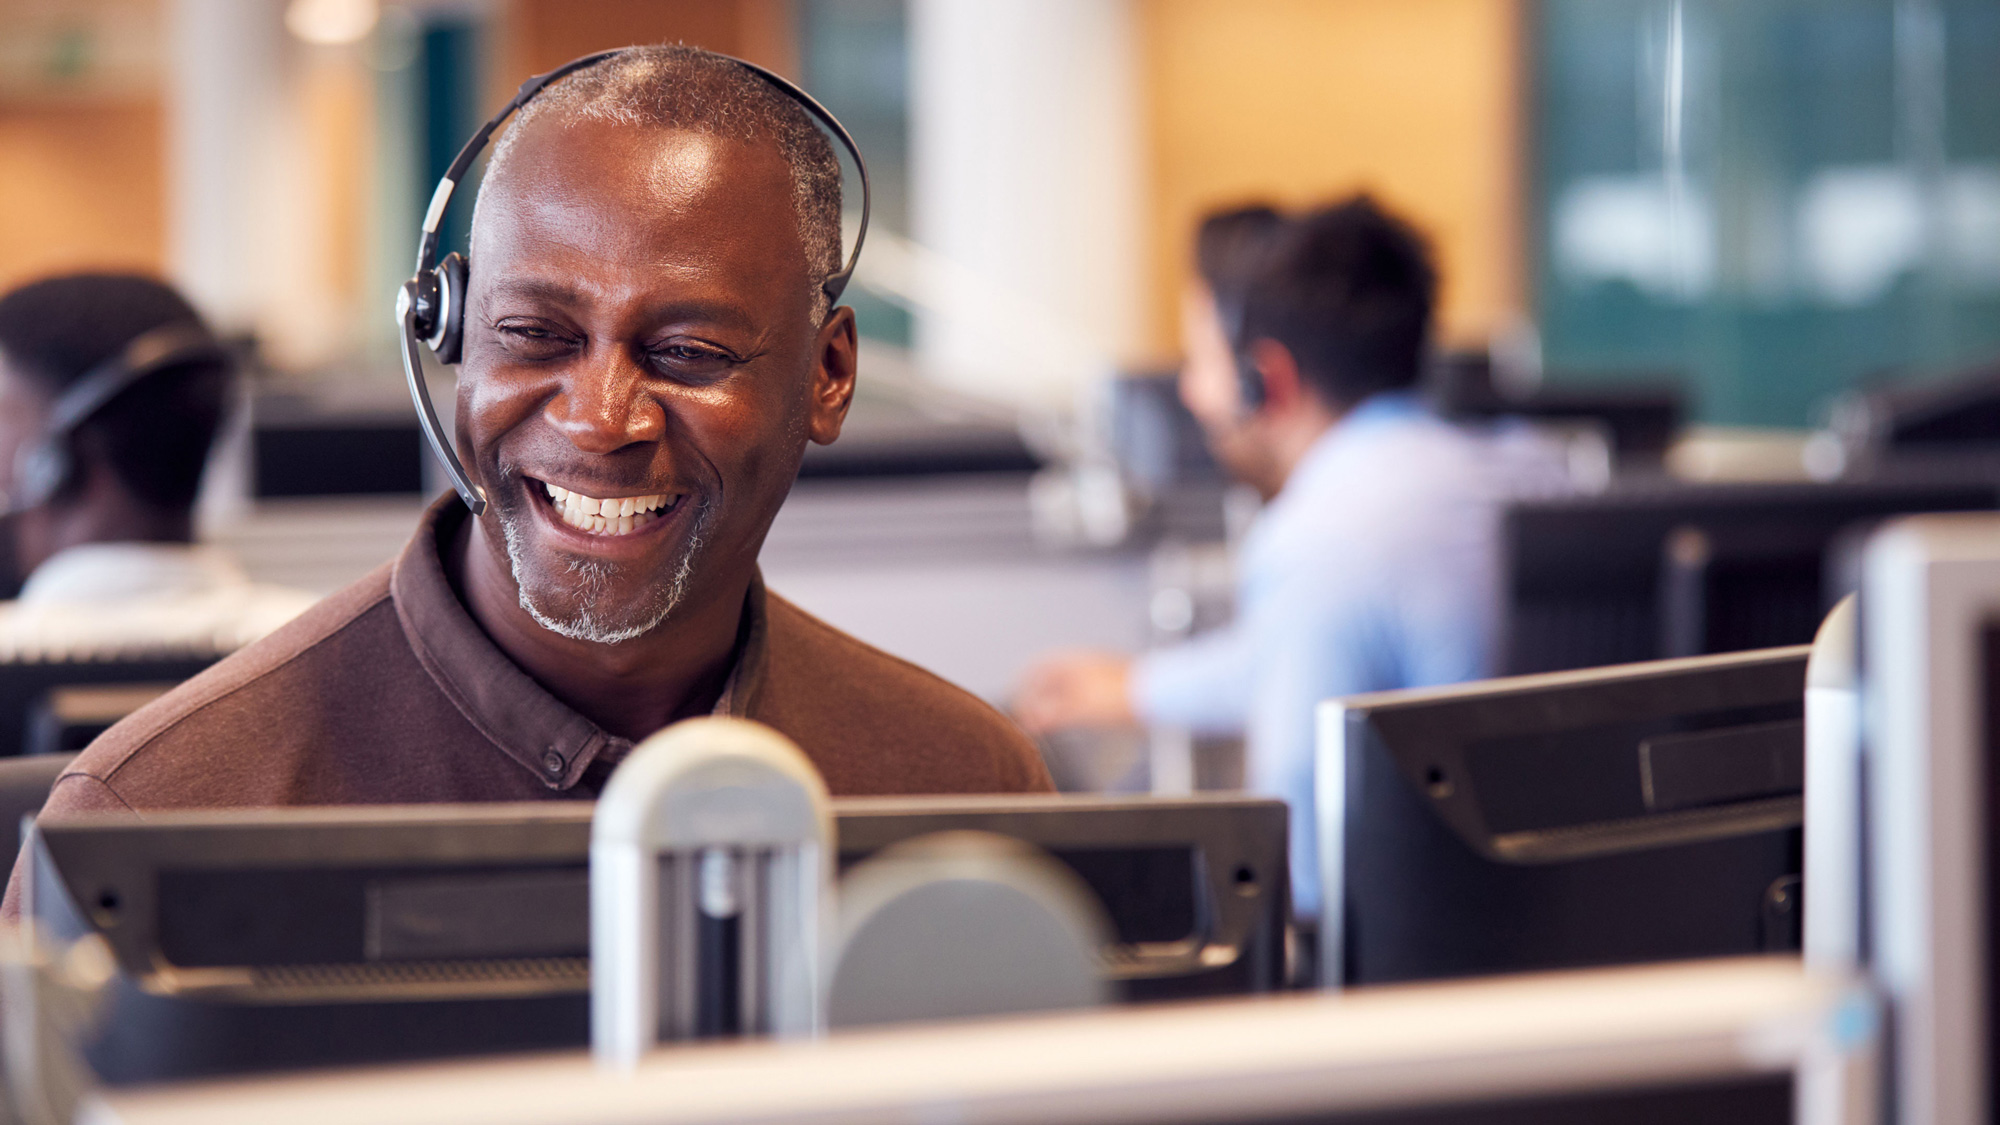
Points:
(1683, 569)
(284, 938)
(1635, 815)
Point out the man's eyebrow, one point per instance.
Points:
(722, 314)
(537, 289)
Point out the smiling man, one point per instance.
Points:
(647, 352)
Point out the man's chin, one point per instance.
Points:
(588, 624)
(594, 599)
(587, 599)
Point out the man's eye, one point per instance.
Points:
(691, 361)
(533, 340)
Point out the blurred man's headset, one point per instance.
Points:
(42, 467)
(431, 306)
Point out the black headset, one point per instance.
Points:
(1249, 380)
(431, 306)
(44, 466)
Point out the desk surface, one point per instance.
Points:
(1243, 1060)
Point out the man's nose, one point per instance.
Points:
(607, 405)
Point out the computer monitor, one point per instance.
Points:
(1930, 679)
(25, 783)
(70, 717)
(1741, 1042)
(1636, 813)
(1656, 570)
(1158, 443)
(265, 939)
(1922, 421)
(1640, 414)
(28, 689)
(301, 445)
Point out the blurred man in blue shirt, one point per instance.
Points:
(1373, 565)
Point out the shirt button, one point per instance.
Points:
(553, 762)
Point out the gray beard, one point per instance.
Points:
(588, 623)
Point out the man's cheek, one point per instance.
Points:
(492, 402)
(741, 430)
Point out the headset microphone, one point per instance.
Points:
(42, 467)
(1249, 382)
(430, 309)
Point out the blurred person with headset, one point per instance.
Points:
(111, 395)
(648, 334)
(1373, 565)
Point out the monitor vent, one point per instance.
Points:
(1683, 826)
(544, 971)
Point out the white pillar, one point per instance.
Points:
(225, 87)
(248, 196)
(1025, 177)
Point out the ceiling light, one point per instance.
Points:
(332, 22)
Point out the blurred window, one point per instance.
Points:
(1778, 197)
(454, 96)
(854, 57)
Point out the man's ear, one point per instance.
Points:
(1284, 387)
(833, 376)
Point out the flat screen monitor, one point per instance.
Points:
(1659, 570)
(279, 938)
(1640, 415)
(299, 449)
(1637, 813)
(1742, 1042)
(32, 690)
(1930, 681)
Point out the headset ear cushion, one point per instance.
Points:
(449, 343)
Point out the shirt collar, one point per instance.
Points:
(95, 572)
(516, 714)
(1385, 406)
(1383, 410)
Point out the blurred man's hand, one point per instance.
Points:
(1075, 689)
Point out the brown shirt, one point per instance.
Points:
(388, 692)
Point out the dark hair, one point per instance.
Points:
(155, 437)
(680, 87)
(1349, 291)
(1229, 246)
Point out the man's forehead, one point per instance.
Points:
(650, 171)
(639, 197)
(680, 222)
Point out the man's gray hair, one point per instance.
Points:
(679, 87)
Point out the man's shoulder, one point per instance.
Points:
(277, 674)
(849, 670)
(876, 723)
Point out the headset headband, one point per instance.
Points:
(431, 303)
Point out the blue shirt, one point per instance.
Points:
(1376, 567)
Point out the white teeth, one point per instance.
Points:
(618, 515)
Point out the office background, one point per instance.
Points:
(1762, 202)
